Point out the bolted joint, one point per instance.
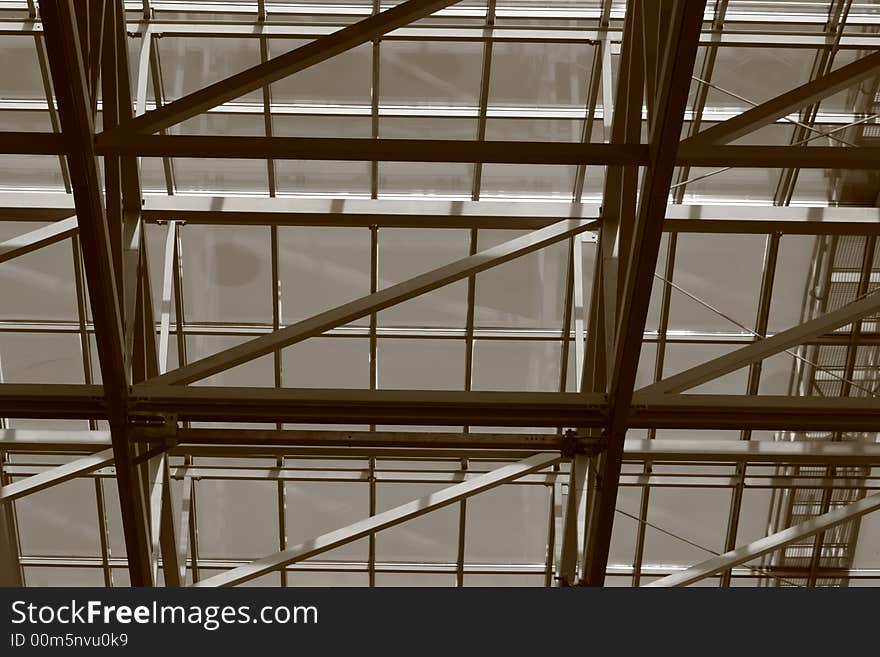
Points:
(569, 443)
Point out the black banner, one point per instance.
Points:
(451, 621)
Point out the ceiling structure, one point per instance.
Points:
(438, 293)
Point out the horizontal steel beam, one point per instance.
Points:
(52, 401)
(447, 408)
(428, 213)
(280, 29)
(771, 543)
(440, 475)
(766, 412)
(32, 143)
(501, 152)
(360, 149)
(354, 443)
(415, 407)
(381, 521)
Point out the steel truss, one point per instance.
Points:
(149, 407)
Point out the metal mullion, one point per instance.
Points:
(276, 304)
(699, 105)
(462, 529)
(40, 45)
(568, 303)
(282, 517)
(178, 302)
(474, 240)
(103, 532)
(374, 286)
(159, 95)
(267, 110)
(761, 321)
(659, 359)
(371, 552)
(375, 57)
(193, 529)
(551, 538)
(85, 345)
(596, 77)
(483, 108)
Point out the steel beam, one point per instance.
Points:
(375, 302)
(69, 78)
(382, 521)
(275, 69)
(661, 450)
(416, 407)
(55, 476)
(427, 213)
(767, 347)
(770, 543)
(37, 239)
(367, 149)
(32, 143)
(679, 52)
(782, 105)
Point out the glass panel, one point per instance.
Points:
(529, 74)
(38, 285)
(422, 580)
(517, 365)
(59, 521)
(23, 80)
(700, 516)
(429, 538)
(30, 172)
(534, 181)
(430, 72)
(41, 358)
(793, 273)
(62, 576)
(421, 364)
(237, 519)
(507, 524)
(341, 80)
(706, 266)
(259, 372)
(314, 508)
(407, 252)
(321, 268)
(192, 63)
(327, 363)
(227, 274)
(527, 292)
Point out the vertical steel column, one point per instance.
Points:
(642, 242)
(66, 63)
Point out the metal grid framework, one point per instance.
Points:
(636, 169)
